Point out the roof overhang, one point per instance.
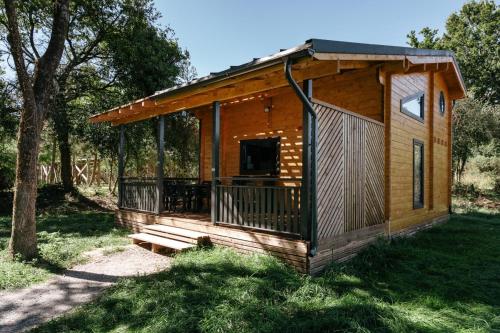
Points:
(314, 59)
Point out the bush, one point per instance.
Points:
(467, 190)
(7, 169)
(488, 164)
(496, 187)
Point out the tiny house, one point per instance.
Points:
(309, 154)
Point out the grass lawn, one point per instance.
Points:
(62, 240)
(446, 279)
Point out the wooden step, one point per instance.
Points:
(157, 241)
(180, 234)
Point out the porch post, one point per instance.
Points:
(159, 165)
(121, 164)
(306, 164)
(215, 160)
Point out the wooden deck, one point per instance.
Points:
(292, 251)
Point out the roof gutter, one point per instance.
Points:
(313, 232)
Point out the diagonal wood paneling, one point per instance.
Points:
(350, 179)
(330, 177)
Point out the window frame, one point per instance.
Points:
(419, 205)
(274, 172)
(419, 95)
(442, 102)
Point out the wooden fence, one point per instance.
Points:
(350, 179)
(84, 172)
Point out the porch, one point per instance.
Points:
(192, 229)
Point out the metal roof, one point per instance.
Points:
(310, 47)
(333, 46)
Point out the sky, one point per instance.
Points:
(221, 33)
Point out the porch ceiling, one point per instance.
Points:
(315, 59)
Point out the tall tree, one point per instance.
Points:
(473, 34)
(113, 47)
(38, 90)
(475, 123)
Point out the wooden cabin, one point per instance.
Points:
(308, 154)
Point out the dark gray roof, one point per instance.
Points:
(310, 47)
(333, 46)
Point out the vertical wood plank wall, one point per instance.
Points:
(350, 172)
(403, 130)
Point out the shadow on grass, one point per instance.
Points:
(444, 279)
(52, 198)
(220, 297)
(61, 238)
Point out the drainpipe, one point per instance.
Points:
(314, 133)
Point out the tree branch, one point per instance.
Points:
(32, 38)
(16, 49)
(48, 62)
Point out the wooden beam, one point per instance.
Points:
(431, 140)
(215, 160)
(449, 124)
(160, 163)
(429, 59)
(387, 144)
(359, 57)
(121, 164)
(270, 81)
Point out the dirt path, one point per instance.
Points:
(25, 308)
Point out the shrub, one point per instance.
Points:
(488, 164)
(468, 190)
(7, 169)
(496, 187)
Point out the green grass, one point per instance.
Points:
(62, 240)
(446, 279)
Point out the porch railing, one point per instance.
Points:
(271, 204)
(139, 193)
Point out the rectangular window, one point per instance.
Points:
(413, 106)
(418, 174)
(260, 157)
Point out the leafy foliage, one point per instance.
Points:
(473, 34)
(8, 127)
(475, 123)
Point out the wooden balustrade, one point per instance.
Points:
(139, 194)
(267, 207)
(266, 204)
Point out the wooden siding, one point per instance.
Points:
(358, 91)
(440, 139)
(350, 171)
(434, 130)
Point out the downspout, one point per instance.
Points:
(314, 133)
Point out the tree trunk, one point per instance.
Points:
(52, 171)
(23, 238)
(94, 170)
(38, 89)
(61, 126)
(110, 173)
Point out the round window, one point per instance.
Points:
(442, 103)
